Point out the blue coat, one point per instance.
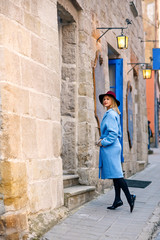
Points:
(110, 151)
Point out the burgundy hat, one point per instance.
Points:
(111, 94)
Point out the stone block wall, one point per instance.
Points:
(30, 162)
(47, 120)
(68, 96)
(109, 14)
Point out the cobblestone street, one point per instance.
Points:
(94, 222)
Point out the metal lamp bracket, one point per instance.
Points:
(135, 64)
(110, 28)
(149, 40)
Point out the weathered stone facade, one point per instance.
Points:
(151, 16)
(48, 125)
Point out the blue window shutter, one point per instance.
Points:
(119, 90)
(156, 58)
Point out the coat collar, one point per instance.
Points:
(109, 110)
(106, 113)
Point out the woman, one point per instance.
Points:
(110, 150)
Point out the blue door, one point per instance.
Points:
(116, 85)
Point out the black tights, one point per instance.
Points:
(120, 183)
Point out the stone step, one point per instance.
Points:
(70, 180)
(77, 195)
(141, 165)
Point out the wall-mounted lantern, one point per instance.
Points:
(147, 71)
(122, 40)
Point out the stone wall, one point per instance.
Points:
(106, 14)
(30, 164)
(48, 125)
(68, 94)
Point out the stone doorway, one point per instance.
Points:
(67, 43)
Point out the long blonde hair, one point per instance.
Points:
(114, 106)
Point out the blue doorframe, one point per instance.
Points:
(118, 64)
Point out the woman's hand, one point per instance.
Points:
(98, 143)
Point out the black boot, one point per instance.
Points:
(133, 198)
(115, 205)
